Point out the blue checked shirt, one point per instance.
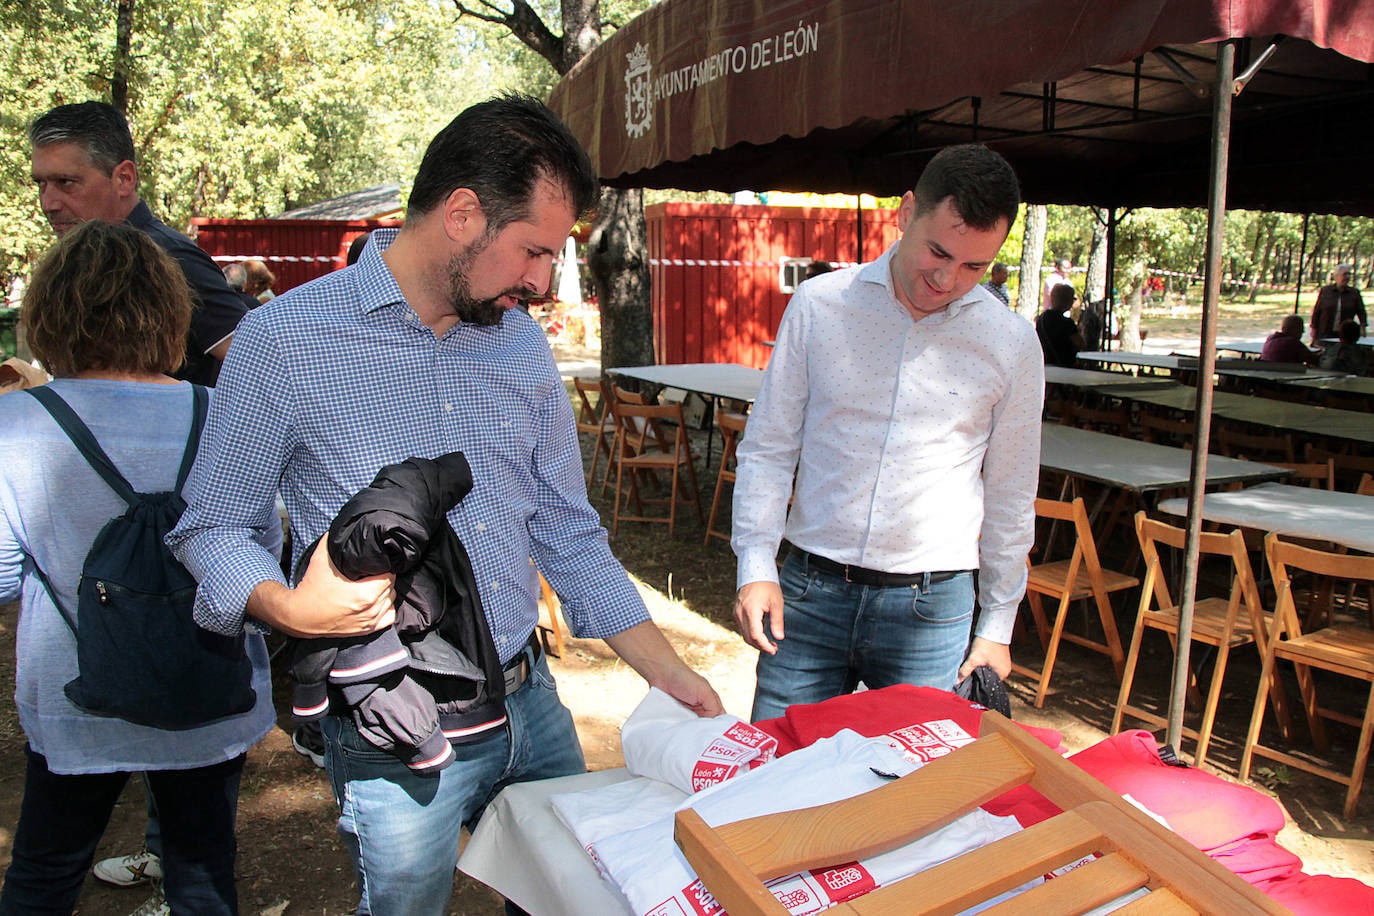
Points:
(326, 384)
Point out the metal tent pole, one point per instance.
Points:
(1197, 482)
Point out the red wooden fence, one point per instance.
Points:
(716, 268)
(295, 250)
(716, 271)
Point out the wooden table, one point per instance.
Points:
(1154, 361)
(1238, 367)
(713, 381)
(1140, 467)
(1299, 512)
(1308, 419)
(1096, 379)
(731, 381)
(1276, 372)
(1355, 384)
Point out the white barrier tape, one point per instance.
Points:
(278, 258)
(697, 262)
(713, 262)
(655, 262)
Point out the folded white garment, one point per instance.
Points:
(594, 814)
(656, 878)
(664, 740)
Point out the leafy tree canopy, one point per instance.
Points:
(245, 108)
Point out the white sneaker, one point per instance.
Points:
(155, 905)
(129, 871)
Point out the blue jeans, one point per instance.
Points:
(838, 633)
(402, 829)
(62, 818)
(152, 833)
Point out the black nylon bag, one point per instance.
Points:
(140, 655)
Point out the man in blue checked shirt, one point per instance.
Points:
(419, 350)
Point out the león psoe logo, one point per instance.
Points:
(639, 92)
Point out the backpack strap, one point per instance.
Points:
(201, 404)
(90, 449)
(43, 578)
(84, 440)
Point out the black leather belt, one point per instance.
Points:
(861, 576)
(518, 669)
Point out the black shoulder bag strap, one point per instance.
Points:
(95, 456)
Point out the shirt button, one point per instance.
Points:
(494, 585)
(448, 406)
(481, 526)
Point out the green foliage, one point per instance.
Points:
(1069, 233)
(1261, 249)
(250, 107)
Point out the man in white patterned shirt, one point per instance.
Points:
(906, 400)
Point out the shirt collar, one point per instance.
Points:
(140, 217)
(377, 286)
(378, 289)
(880, 271)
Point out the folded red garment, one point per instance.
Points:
(1321, 895)
(885, 712)
(1232, 823)
(1206, 810)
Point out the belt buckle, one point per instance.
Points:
(846, 574)
(515, 677)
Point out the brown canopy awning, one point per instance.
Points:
(1103, 103)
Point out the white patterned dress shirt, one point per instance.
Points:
(915, 444)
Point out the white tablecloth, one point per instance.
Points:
(521, 849)
(1299, 512)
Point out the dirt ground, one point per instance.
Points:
(291, 863)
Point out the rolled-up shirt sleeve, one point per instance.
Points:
(1011, 472)
(233, 485)
(568, 539)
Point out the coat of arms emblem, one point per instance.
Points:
(639, 92)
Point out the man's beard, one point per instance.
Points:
(482, 312)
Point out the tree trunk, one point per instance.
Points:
(1095, 283)
(617, 255)
(119, 80)
(1135, 302)
(618, 248)
(1032, 253)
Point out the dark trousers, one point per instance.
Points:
(62, 819)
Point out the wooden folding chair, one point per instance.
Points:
(1348, 468)
(1225, 623)
(1078, 578)
(1115, 420)
(554, 628)
(594, 417)
(731, 426)
(1161, 430)
(1321, 603)
(1232, 442)
(656, 438)
(1287, 393)
(638, 425)
(1319, 475)
(1343, 650)
(1133, 853)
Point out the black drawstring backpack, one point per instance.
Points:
(140, 655)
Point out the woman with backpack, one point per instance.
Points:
(107, 313)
